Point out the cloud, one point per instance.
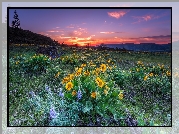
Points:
(110, 32)
(67, 37)
(79, 31)
(70, 27)
(117, 14)
(156, 37)
(147, 17)
(161, 39)
(55, 31)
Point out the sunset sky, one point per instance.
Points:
(96, 26)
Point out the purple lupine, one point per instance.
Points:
(53, 113)
(61, 94)
(32, 93)
(79, 94)
(47, 88)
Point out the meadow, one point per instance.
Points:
(89, 87)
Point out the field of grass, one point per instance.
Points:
(88, 87)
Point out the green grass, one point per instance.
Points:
(146, 101)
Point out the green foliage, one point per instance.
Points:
(35, 64)
(83, 93)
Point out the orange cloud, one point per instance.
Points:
(80, 31)
(117, 14)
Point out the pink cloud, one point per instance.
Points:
(80, 31)
(146, 18)
(110, 32)
(70, 27)
(117, 14)
(53, 31)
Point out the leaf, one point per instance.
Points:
(151, 123)
(69, 96)
(88, 106)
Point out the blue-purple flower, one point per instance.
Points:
(53, 113)
(32, 93)
(47, 88)
(61, 94)
(79, 94)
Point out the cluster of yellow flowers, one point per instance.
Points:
(150, 74)
(99, 82)
(79, 71)
(69, 86)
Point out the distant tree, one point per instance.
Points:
(16, 21)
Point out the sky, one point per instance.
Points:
(96, 26)
(114, 34)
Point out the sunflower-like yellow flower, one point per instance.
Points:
(65, 80)
(105, 91)
(140, 63)
(93, 94)
(145, 78)
(168, 73)
(17, 62)
(83, 65)
(120, 96)
(103, 67)
(151, 74)
(99, 82)
(74, 93)
(97, 79)
(71, 76)
(57, 74)
(69, 86)
(87, 73)
(78, 72)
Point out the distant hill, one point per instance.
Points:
(151, 47)
(20, 36)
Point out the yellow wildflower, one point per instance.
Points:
(97, 79)
(145, 78)
(17, 62)
(139, 63)
(103, 67)
(57, 74)
(71, 76)
(83, 65)
(120, 96)
(74, 93)
(66, 79)
(69, 86)
(99, 82)
(87, 73)
(151, 74)
(93, 94)
(168, 73)
(105, 92)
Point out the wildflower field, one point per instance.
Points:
(89, 87)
